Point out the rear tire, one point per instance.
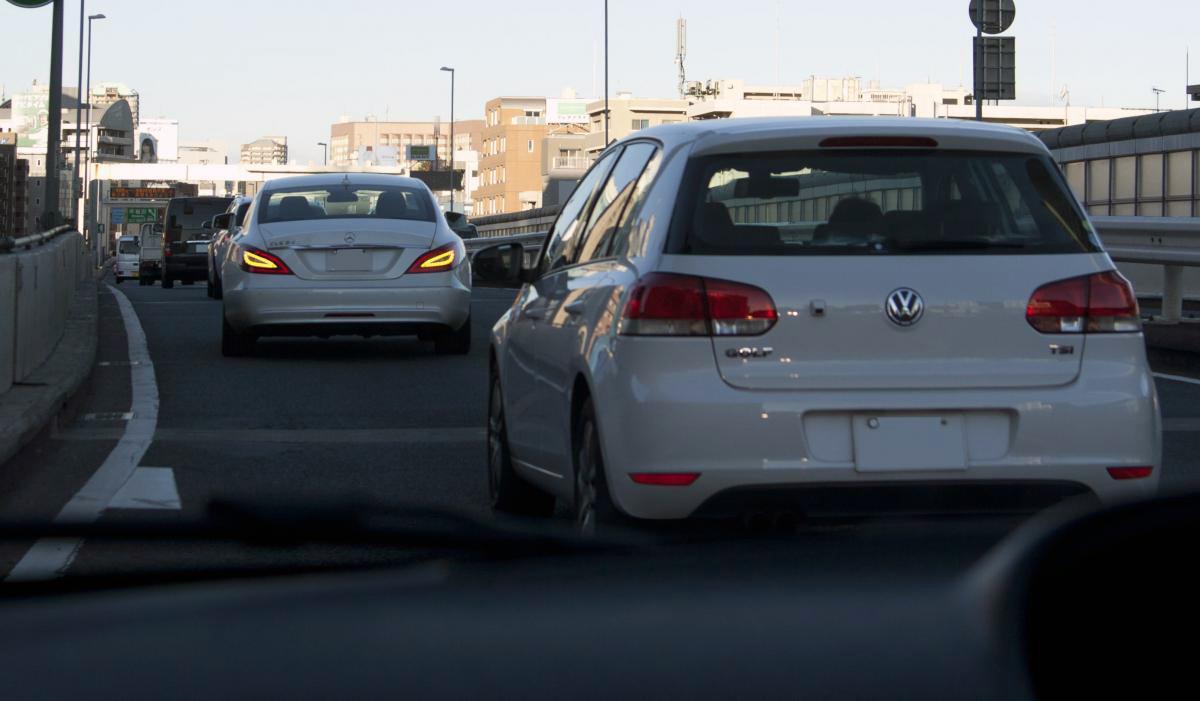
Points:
(142, 282)
(235, 344)
(509, 493)
(212, 293)
(189, 282)
(119, 279)
(218, 290)
(454, 342)
(167, 283)
(594, 510)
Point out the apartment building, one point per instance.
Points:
(12, 174)
(267, 151)
(628, 114)
(510, 166)
(106, 94)
(372, 142)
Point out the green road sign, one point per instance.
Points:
(141, 215)
(30, 4)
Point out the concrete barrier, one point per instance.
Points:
(8, 320)
(37, 286)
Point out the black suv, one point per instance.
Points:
(185, 241)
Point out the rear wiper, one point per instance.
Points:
(955, 245)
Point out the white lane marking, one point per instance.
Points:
(49, 558)
(148, 488)
(1177, 378)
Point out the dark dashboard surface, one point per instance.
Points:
(729, 620)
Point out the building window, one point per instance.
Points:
(641, 124)
(503, 144)
(529, 146)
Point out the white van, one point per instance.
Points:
(127, 265)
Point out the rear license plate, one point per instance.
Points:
(887, 443)
(348, 260)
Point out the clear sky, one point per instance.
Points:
(234, 70)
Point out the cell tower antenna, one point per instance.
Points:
(681, 54)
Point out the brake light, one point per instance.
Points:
(1130, 473)
(256, 260)
(666, 304)
(879, 142)
(166, 252)
(665, 479)
(439, 259)
(1100, 303)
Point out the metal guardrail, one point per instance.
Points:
(9, 244)
(1172, 242)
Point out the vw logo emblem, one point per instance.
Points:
(905, 307)
(349, 238)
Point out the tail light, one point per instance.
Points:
(166, 251)
(256, 260)
(440, 259)
(1100, 303)
(666, 304)
(1130, 473)
(665, 479)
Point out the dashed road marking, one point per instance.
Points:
(48, 557)
(148, 488)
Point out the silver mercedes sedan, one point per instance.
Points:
(346, 254)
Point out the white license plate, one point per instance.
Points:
(893, 443)
(348, 260)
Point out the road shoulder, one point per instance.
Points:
(29, 407)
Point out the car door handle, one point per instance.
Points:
(575, 308)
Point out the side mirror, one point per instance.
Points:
(207, 226)
(223, 221)
(501, 265)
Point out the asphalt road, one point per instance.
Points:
(381, 419)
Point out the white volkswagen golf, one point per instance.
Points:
(338, 254)
(818, 315)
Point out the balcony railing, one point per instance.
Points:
(571, 163)
(529, 120)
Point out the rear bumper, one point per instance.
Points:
(293, 309)
(662, 413)
(187, 267)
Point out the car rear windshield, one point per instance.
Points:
(129, 248)
(344, 201)
(190, 214)
(875, 202)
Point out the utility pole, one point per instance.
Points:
(50, 215)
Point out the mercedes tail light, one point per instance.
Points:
(666, 304)
(1100, 303)
(256, 260)
(440, 259)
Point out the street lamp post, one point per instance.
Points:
(451, 72)
(87, 156)
(326, 147)
(605, 74)
(78, 119)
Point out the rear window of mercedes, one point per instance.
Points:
(347, 201)
(877, 202)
